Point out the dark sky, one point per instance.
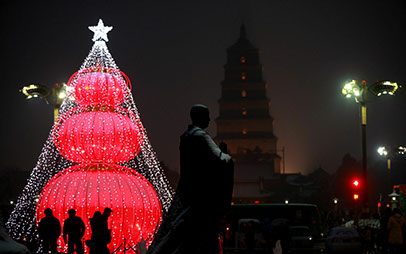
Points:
(173, 52)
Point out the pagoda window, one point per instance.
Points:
(244, 111)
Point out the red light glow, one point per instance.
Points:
(356, 196)
(87, 188)
(98, 136)
(99, 85)
(355, 183)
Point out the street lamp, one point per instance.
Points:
(389, 152)
(58, 93)
(360, 91)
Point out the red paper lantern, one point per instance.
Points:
(99, 85)
(137, 211)
(104, 135)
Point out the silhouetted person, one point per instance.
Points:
(74, 228)
(95, 226)
(49, 230)
(101, 235)
(396, 226)
(203, 193)
(105, 216)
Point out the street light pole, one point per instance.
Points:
(360, 91)
(364, 141)
(389, 152)
(57, 92)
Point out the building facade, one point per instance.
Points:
(244, 122)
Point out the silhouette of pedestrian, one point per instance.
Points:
(49, 230)
(396, 225)
(101, 235)
(107, 232)
(74, 228)
(95, 224)
(203, 193)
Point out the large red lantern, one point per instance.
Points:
(87, 188)
(98, 135)
(99, 85)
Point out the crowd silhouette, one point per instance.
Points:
(73, 231)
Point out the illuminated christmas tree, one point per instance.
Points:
(97, 155)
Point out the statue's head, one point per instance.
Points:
(200, 115)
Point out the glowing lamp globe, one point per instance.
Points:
(98, 136)
(137, 211)
(99, 86)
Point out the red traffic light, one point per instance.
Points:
(355, 183)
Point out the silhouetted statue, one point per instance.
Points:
(101, 235)
(74, 228)
(49, 230)
(203, 193)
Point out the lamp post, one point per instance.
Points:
(360, 92)
(57, 94)
(389, 152)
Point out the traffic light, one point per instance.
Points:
(356, 187)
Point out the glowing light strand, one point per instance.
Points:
(21, 224)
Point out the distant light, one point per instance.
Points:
(393, 198)
(352, 88)
(382, 151)
(286, 201)
(335, 201)
(356, 196)
(62, 95)
(384, 87)
(356, 183)
(11, 202)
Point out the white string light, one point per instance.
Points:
(22, 222)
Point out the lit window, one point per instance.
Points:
(243, 75)
(243, 59)
(243, 93)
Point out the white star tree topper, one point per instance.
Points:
(100, 31)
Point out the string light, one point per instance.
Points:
(87, 188)
(22, 222)
(98, 135)
(99, 85)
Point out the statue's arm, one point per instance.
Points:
(213, 149)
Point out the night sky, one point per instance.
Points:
(174, 52)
